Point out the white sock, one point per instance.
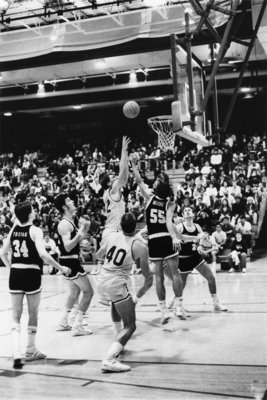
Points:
(178, 301)
(15, 332)
(117, 326)
(214, 298)
(162, 305)
(79, 318)
(65, 316)
(114, 350)
(32, 330)
(72, 314)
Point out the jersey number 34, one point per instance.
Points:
(20, 249)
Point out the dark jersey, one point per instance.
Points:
(156, 216)
(76, 249)
(189, 248)
(23, 247)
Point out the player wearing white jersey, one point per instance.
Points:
(119, 252)
(113, 200)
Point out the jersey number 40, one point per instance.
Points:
(117, 256)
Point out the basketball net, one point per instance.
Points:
(162, 125)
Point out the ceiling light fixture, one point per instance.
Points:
(133, 77)
(77, 107)
(8, 114)
(159, 98)
(101, 63)
(154, 3)
(41, 89)
(245, 89)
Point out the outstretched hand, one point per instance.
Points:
(125, 142)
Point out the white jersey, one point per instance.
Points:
(114, 211)
(115, 272)
(119, 259)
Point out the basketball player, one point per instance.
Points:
(162, 240)
(27, 251)
(113, 199)
(69, 246)
(189, 258)
(119, 252)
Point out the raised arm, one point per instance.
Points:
(143, 188)
(123, 174)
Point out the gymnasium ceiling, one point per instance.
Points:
(99, 77)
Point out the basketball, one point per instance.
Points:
(131, 109)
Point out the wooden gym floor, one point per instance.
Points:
(209, 356)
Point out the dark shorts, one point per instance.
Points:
(160, 248)
(75, 266)
(187, 264)
(27, 281)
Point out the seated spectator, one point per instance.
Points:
(5, 187)
(88, 248)
(203, 219)
(220, 238)
(135, 208)
(238, 208)
(52, 249)
(201, 180)
(208, 248)
(225, 209)
(198, 191)
(235, 190)
(224, 189)
(244, 227)
(251, 212)
(191, 172)
(228, 229)
(211, 191)
(216, 157)
(206, 169)
(238, 257)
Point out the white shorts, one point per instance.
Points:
(112, 288)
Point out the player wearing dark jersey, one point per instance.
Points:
(25, 241)
(189, 259)
(69, 246)
(162, 241)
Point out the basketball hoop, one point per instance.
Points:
(162, 125)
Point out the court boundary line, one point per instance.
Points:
(91, 381)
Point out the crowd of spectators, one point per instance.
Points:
(223, 184)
